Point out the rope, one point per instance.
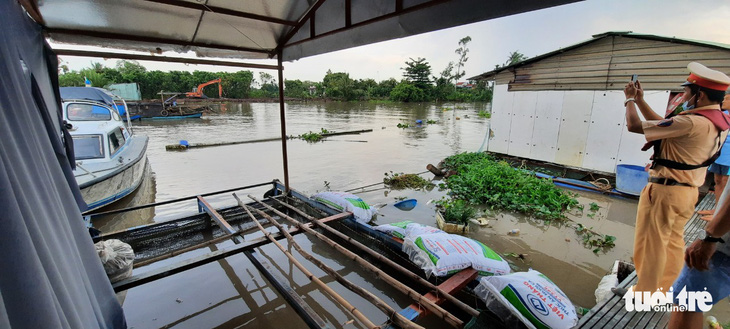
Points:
(602, 184)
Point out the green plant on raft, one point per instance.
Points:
(457, 211)
(483, 180)
(403, 181)
(485, 114)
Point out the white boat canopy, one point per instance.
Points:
(257, 29)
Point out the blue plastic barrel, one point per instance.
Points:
(631, 179)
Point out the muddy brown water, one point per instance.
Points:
(231, 293)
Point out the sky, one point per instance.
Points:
(532, 34)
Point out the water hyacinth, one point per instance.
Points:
(484, 180)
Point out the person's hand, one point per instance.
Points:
(630, 90)
(698, 254)
(639, 92)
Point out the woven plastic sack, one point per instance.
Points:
(415, 229)
(343, 201)
(441, 254)
(530, 297)
(397, 230)
(406, 228)
(117, 258)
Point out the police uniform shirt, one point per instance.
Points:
(686, 138)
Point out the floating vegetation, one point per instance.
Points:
(456, 211)
(403, 125)
(482, 180)
(400, 181)
(594, 207)
(311, 137)
(430, 122)
(485, 114)
(595, 240)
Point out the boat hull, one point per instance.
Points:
(112, 185)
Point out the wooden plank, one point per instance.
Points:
(194, 262)
(452, 285)
(203, 204)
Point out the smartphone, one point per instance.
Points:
(634, 78)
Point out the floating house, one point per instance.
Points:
(566, 106)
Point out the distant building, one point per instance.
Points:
(464, 85)
(566, 106)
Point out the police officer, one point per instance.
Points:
(684, 143)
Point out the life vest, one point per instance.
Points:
(719, 119)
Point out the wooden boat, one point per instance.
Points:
(111, 159)
(156, 242)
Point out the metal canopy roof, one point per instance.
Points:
(254, 29)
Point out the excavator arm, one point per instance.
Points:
(198, 93)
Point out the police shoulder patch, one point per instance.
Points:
(665, 123)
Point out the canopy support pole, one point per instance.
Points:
(282, 116)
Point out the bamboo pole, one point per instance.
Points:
(311, 276)
(397, 318)
(435, 289)
(408, 291)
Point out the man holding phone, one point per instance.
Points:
(684, 144)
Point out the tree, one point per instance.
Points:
(339, 85)
(417, 72)
(515, 57)
(407, 92)
(462, 51)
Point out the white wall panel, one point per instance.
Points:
(523, 121)
(547, 125)
(501, 119)
(604, 133)
(629, 151)
(574, 122)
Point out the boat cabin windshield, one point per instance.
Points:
(87, 112)
(88, 147)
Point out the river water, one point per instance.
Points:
(242, 297)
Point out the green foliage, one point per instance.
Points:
(235, 85)
(311, 137)
(485, 114)
(430, 122)
(403, 125)
(407, 92)
(595, 240)
(457, 211)
(400, 181)
(594, 206)
(482, 180)
(417, 72)
(462, 51)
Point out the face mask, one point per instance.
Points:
(682, 107)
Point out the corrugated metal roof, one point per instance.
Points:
(600, 36)
(258, 28)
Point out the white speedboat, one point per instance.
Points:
(110, 159)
